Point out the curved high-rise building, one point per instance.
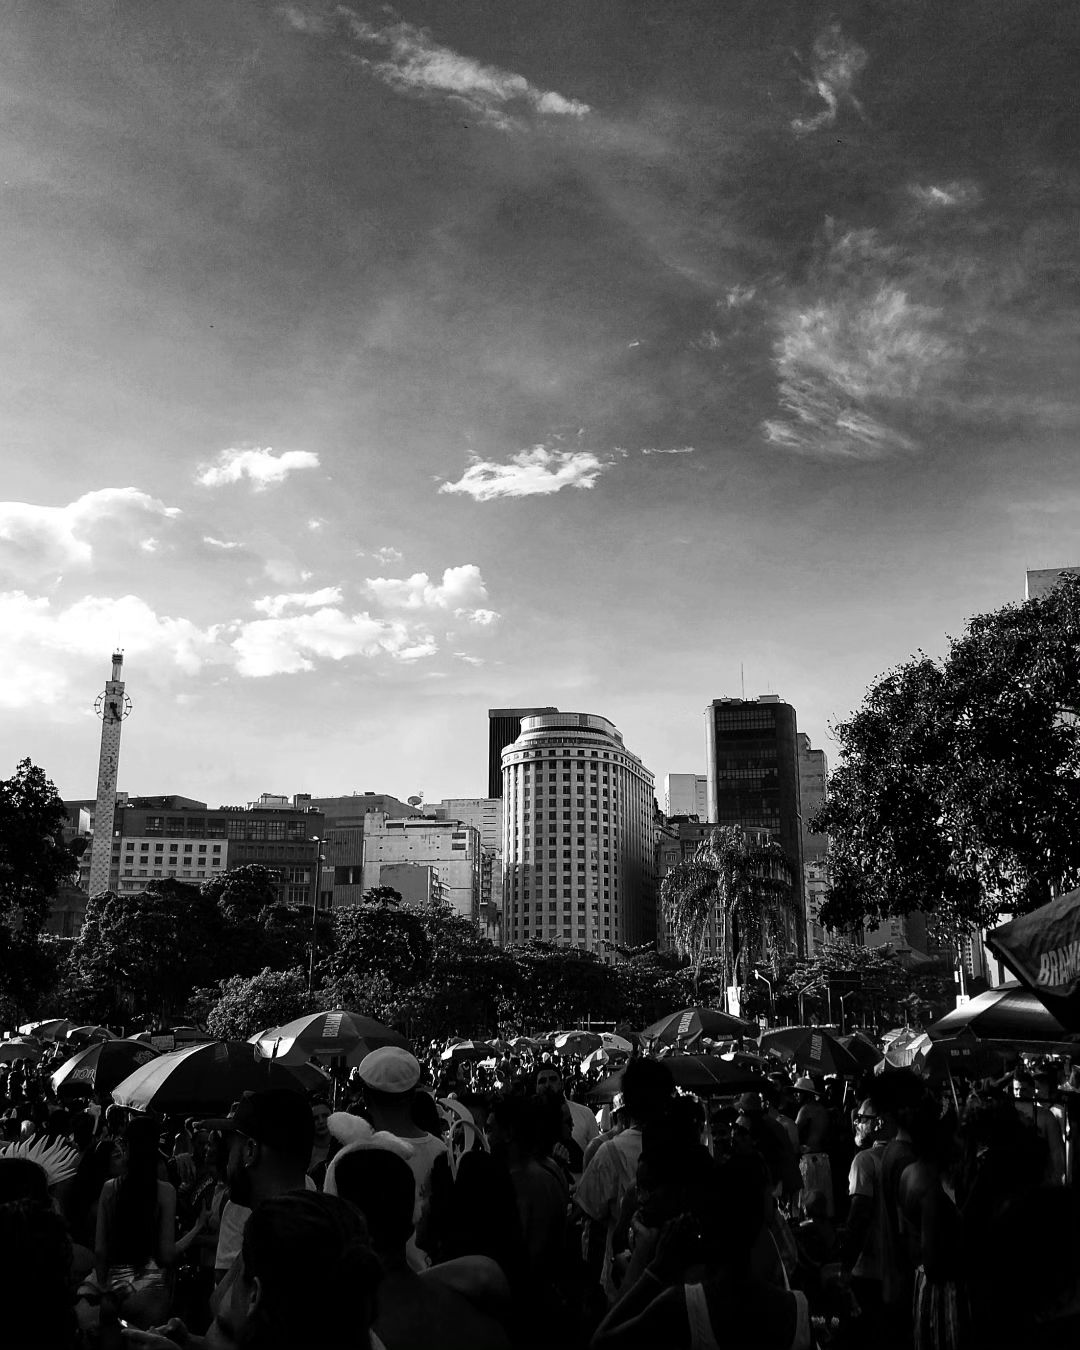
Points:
(577, 836)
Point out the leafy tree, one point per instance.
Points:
(269, 998)
(957, 792)
(34, 861)
(558, 986)
(736, 889)
(31, 970)
(243, 892)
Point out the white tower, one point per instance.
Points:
(112, 707)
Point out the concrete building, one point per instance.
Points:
(1043, 581)
(414, 882)
(504, 726)
(686, 794)
(112, 707)
(484, 814)
(577, 836)
(676, 839)
(157, 837)
(450, 848)
(815, 889)
(752, 764)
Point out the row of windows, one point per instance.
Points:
(173, 848)
(169, 871)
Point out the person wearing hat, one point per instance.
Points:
(812, 1122)
(389, 1078)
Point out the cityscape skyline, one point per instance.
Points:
(369, 369)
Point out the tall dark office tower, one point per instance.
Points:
(752, 764)
(504, 724)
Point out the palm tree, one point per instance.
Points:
(737, 890)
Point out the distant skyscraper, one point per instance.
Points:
(503, 727)
(112, 707)
(752, 764)
(577, 836)
(686, 794)
(1043, 582)
(813, 778)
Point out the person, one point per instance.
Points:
(549, 1083)
(35, 1255)
(895, 1098)
(307, 1276)
(415, 1309)
(812, 1123)
(861, 1252)
(648, 1090)
(698, 1291)
(1042, 1120)
(389, 1077)
(540, 1194)
(614, 1122)
(135, 1242)
(323, 1147)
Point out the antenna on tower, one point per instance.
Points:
(742, 680)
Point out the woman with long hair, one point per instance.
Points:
(136, 1229)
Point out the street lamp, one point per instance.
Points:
(772, 1002)
(315, 878)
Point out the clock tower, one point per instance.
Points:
(112, 707)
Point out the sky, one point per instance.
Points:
(366, 367)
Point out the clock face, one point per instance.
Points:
(112, 707)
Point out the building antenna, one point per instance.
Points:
(742, 680)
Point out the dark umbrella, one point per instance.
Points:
(692, 1024)
(201, 1078)
(706, 1075)
(1043, 950)
(811, 1048)
(99, 1068)
(336, 1032)
(864, 1050)
(1007, 1015)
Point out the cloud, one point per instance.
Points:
(409, 60)
(529, 473)
(835, 62)
(149, 545)
(224, 544)
(273, 606)
(50, 638)
(260, 467)
(846, 365)
(959, 194)
(483, 618)
(44, 541)
(673, 450)
(469, 660)
(315, 524)
(287, 645)
(387, 555)
(461, 587)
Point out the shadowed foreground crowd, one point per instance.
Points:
(799, 1215)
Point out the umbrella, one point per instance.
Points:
(706, 1075)
(691, 1024)
(142, 1037)
(524, 1043)
(863, 1049)
(51, 1029)
(810, 1048)
(1007, 1015)
(464, 1050)
(578, 1042)
(10, 1051)
(908, 1052)
(100, 1067)
(90, 1033)
(1043, 949)
(618, 1045)
(207, 1078)
(336, 1032)
(594, 1060)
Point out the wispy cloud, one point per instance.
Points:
(670, 450)
(387, 555)
(44, 541)
(846, 365)
(958, 194)
(835, 63)
(224, 544)
(409, 59)
(292, 643)
(273, 606)
(262, 468)
(529, 473)
(469, 659)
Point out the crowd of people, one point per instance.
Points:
(450, 1201)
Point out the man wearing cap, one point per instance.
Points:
(812, 1122)
(549, 1084)
(389, 1078)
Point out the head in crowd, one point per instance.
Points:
(270, 1137)
(548, 1081)
(425, 1113)
(648, 1089)
(308, 1277)
(320, 1114)
(136, 1194)
(390, 1076)
(671, 1163)
(381, 1185)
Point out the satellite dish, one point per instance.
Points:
(416, 800)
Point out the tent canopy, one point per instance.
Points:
(1043, 950)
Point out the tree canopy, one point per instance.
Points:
(957, 790)
(34, 860)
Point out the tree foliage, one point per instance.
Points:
(266, 999)
(735, 889)
(957, 792)
(34, 860)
